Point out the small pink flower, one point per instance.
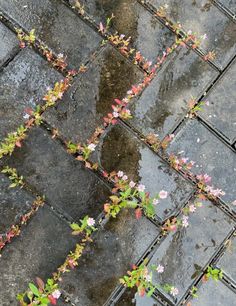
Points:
(155, 201)
(90, 222)
(160, 269)
(192, 208)
(26, 116)
(207, 103)
(174, 291)
(115, 114)
(91, 147)
(185, 221)
(124, 177)
(148, 278)
(132, 184)
(120, 173)
(60, 55)
(56, 294)
(141, 188)
(163, 194)
(184, 160)
(234, 202)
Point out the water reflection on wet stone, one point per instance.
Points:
(115, 248)
(56, 25)
(120, 150)
(22, 85)
(202, 17)
(164, 102)
(82, 108)
(132, 298)
(180, 251)
(131, 19)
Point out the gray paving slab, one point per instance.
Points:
(9, 44)
(221, 111)
(131, 19)
(229, 4)
(130, 298)
(120, 150)
(14, 202)
(195, 244)
(23, 84)
(56, 25)
(165, 102)
(37, 252)
(91, 97)
(51, 171)
(211, 155)
(214, 293)
(115, 248)
(226, 262)
(202, 17)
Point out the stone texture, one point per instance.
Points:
(221, 111)
(202, 17)
(216, 293)
(210, 154)
(51, 171)
(22, 85)
(130, 298)
(226, 262)
(14, 202)
(56, 25)
(194, 245)
(9, 43)
(131, 19)
(115, 248)
(120, 150)
(38, 251)
(92, 95)
(229, 4)
(165, 102)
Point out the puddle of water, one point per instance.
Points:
(120, 150)
(91, 97)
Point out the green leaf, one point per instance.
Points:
(75, 226)
(34, 289)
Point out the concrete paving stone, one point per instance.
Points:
(229, 4)
(9, 43)
(120, 150)
(22, 85)
(131, 19)
(14, 202)
(202, 17)
(115, 248)
(90, 98)
(221, 111)
(52, 172)
(226, 262)
(42, 247)
(164, 102)
(214, 293)
(130, 298)
(211, 155)
(194, 245)
(56, 25)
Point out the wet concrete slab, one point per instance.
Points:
(130, 298)
(221, 111)
(37, 252)
(215, 292)
(202, 17)
(120, 150)
(131, 19)
(56, 25)
(211, 155)
(194, 245)
(14, 202)
(9, 44)
(114, 249)
(52, 172)
(91, 97)
(165, 102)
(226, 262)
(23, 83)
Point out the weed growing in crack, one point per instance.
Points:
(213, 273)
(14, 177)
